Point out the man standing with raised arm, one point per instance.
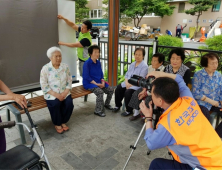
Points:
(84, 39)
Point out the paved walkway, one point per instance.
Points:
(92, 143)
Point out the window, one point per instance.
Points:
(216, 7)
(95, 13)
(181, 7)
(100, 13)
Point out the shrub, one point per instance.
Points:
(166, 40)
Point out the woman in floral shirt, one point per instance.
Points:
(56, 82)
(207, 84)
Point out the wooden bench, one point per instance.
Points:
(39, 103)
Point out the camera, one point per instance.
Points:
(142, 82)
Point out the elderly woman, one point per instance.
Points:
(176, 66)
(125, 89)
(56, 82)
(156, 64)
(93, 80)
(207, 84)
(9, 95)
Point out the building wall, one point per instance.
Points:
(95, 4)
(153, 22)
(170, 22)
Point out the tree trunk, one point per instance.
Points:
(197, 24)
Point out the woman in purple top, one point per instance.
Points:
(93, 80)
(8, 96)
(125, 89)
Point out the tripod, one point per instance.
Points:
(155, 112)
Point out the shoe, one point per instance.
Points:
(101, 114)
(126, 113)
(132, 118)
(60, 131)
(109, 107)
(65, 128)
(116, 109)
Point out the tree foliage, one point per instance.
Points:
(199, 6)
(135, 10)
(82, 11)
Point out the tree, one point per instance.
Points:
(137, 9)
(82, 11)
(199, 7)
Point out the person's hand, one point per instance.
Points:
(64, 94)
(215, 103)
(20, 99)
(142, 94)
(60, 43)
(148, 112)
(60, 17)
(103, 84)
(128, 85)
(60, 97)
(100, 85)
(156, 74)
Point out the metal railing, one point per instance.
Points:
(126, 53)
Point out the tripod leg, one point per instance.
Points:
(134, 147)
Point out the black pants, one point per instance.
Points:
(219, 127)
(160, 163)
(120, 93)
(178, 32)
(60, 111)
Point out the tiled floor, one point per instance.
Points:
(92, 143)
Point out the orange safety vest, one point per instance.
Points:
(197, 143)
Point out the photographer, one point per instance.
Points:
(20, 99)
(182, 127)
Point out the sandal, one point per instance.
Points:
(65, 128)
(60, 131)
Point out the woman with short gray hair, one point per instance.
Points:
(56, 83)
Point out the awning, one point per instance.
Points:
(96, 21)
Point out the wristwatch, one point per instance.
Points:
(148, 119)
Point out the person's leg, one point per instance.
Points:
(160, 163)
(134, 101)
(2, 140)
(119, 94)
(66, 109)
(179, 33)
(81, 67)
(99, 99)
(109, 91)
(54, 109)
(128, 95)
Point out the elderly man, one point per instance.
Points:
(84, 39)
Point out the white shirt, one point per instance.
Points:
(56, 80)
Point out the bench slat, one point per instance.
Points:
(39, 102)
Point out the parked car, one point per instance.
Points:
(94, 32)
(103, 32)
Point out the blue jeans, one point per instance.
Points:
(165, 164)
